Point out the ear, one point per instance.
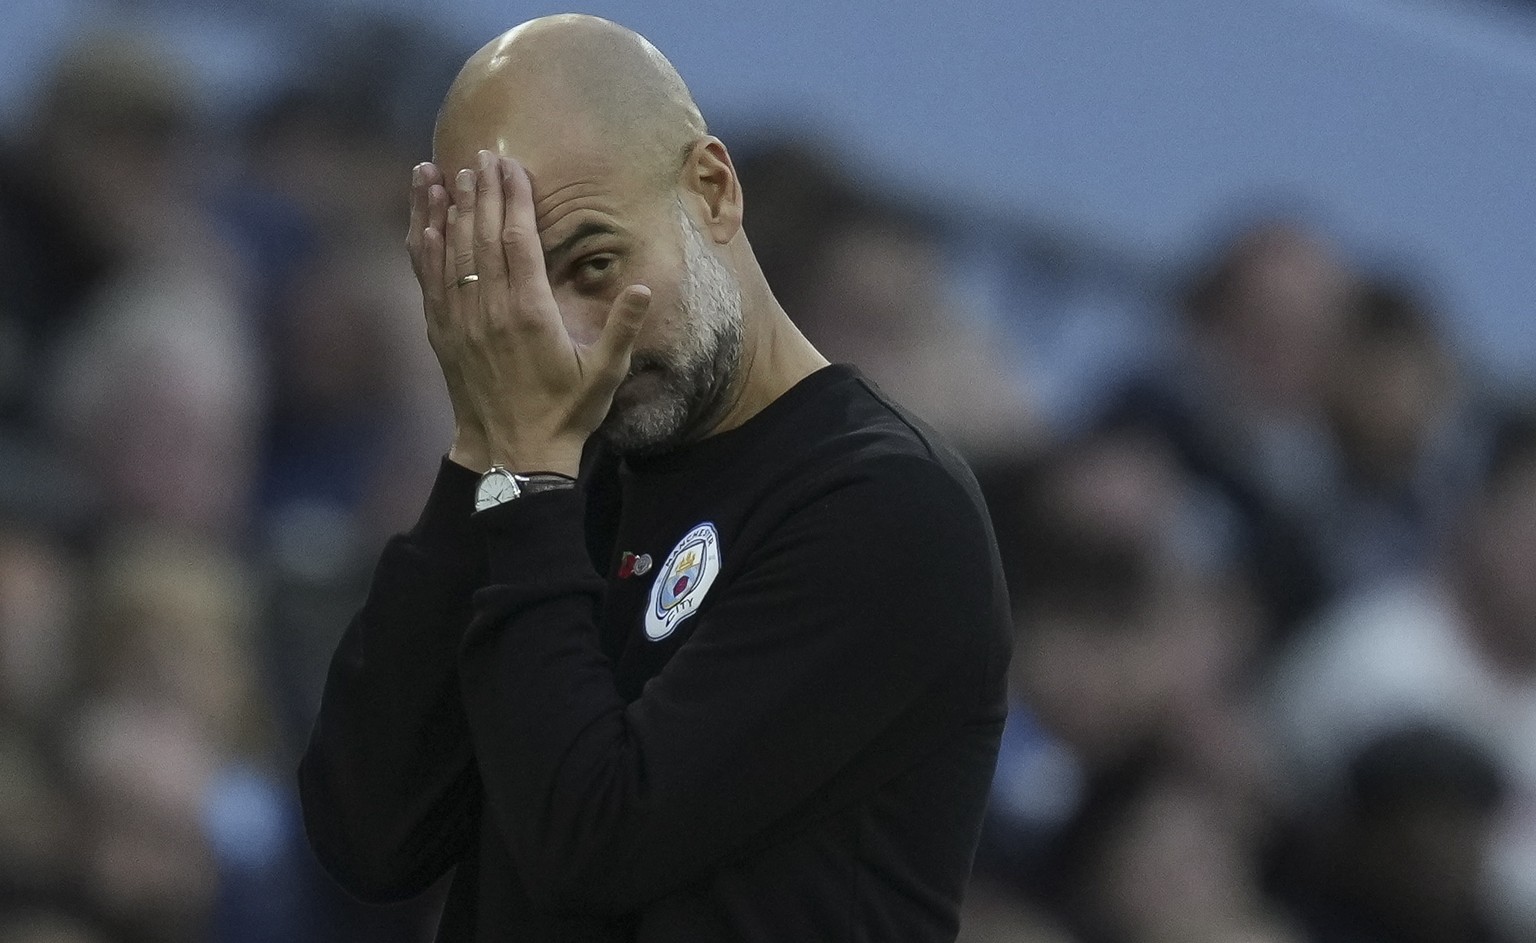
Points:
(710, 177)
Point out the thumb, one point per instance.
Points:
(625, 319)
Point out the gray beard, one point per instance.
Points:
(695, 375)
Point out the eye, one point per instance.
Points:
(595, 269)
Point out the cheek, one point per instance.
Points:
(665, 322)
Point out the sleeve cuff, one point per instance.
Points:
(537, 537)
(445, 521)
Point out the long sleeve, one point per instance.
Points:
(844, 647)
(388, 783)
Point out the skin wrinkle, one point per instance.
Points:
(554, 199)
(597, 201)
(601, 216)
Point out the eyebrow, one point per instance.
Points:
(584, 231)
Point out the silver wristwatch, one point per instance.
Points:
(499, 485)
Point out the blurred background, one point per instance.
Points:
(1230, 305)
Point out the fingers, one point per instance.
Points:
(418, 217)
(489, 261)
(520, 244)
(461, 230)
(424, 177)
(617, 342)
(435, 234)
(437, 197)
(434, 250)
(424, 239)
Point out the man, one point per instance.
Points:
(736, 676)
(1451, 646)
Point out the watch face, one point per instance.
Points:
(496, 487)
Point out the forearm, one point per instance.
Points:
(540, 696)
(388, 782)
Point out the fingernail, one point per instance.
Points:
(416, 175)
(466, 180)
(487, 160)
(639, 299)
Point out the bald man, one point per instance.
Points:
(698, 638)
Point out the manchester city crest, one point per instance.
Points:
(682, 581)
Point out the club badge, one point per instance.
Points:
(682, 581)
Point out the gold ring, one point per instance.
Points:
(465, 280)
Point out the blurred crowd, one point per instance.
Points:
(1270, 538)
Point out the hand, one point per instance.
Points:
(537, 394)
(424, 242)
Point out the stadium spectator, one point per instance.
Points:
(1400, 855)
(92, 183)
(1242, 401)
(1411, 434)
(213, 404)
(1130, 651)
(152, 381)
(1454, 646)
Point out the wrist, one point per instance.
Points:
(470, 452)
(549, 459)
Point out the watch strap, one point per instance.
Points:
(535, 482)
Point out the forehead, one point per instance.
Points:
(568, 187)
(572, 172)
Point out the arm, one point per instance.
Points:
(388, 783)
(872, 610)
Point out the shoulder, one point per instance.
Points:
(870, 522)
(873, 441)
(880, 485)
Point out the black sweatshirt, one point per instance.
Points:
(748, 690)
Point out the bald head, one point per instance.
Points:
(567, 86)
